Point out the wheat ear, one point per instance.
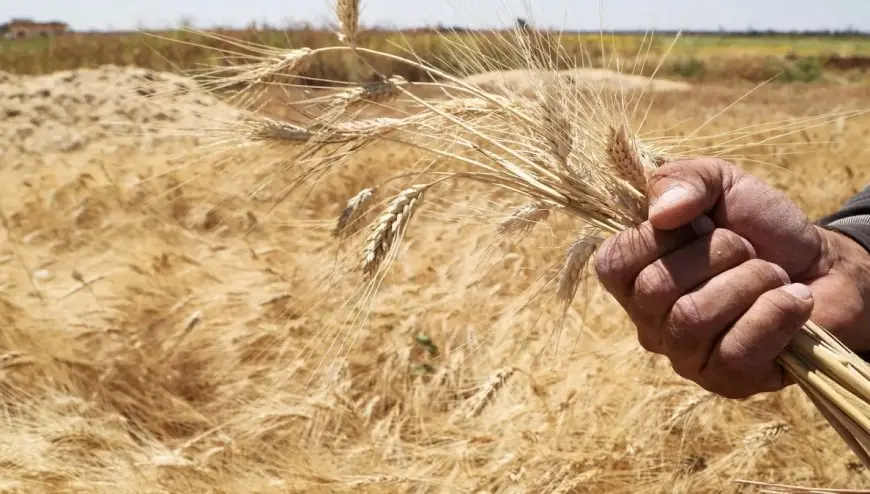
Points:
(576, 258)
(524, 219)
(296, 62)
(608, 195)
(766, 435)
(347, 12)
(557, 125)
(271, 129)
(353, 210)
(484, 396)
(390, 226)
(625, 159)
(379, 92)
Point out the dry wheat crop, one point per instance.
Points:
(568, 146)
(177, 321)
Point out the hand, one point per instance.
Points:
(726, 271)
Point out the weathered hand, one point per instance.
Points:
(725, 272)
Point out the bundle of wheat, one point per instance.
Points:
(568, 147)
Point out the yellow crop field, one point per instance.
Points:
(173, 323)
(754, 59)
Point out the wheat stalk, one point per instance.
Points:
(607, 192)
(768, 488)
(595, 172)
(270, 129)
(373, 480)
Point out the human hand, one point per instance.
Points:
(726, 271)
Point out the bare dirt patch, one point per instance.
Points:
(68, 110)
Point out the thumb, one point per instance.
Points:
(681, 191)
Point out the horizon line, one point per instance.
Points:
(442, 27)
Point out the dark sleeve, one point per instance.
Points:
(853, 219)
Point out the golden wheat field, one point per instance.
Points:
(173, 323)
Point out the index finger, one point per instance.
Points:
(623, 256)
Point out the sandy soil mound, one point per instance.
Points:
(522, 80)
(68, 110)
(65, 111)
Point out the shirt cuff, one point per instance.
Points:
(856, 227)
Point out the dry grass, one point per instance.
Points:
(108, 386)
(185, 333)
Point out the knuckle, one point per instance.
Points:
(763, 271)
(610, 261)
(730, 174)
(726, 166)
(685, 315)
(653, 282)
(781, 309)
(648, 341)
(617, 257)
(730, 245)
(639, 241)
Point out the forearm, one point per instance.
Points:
(846, 285)
(842, 291)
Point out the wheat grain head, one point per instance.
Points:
(348, 12)
(390, 226)
(353, 210)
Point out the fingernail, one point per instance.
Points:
(783, 275)
(799, 290)
(671, 198)
(702, 225)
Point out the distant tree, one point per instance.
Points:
(186, 22)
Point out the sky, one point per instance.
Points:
(567, 14)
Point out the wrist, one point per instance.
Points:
(841, 287)
(841, 254)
